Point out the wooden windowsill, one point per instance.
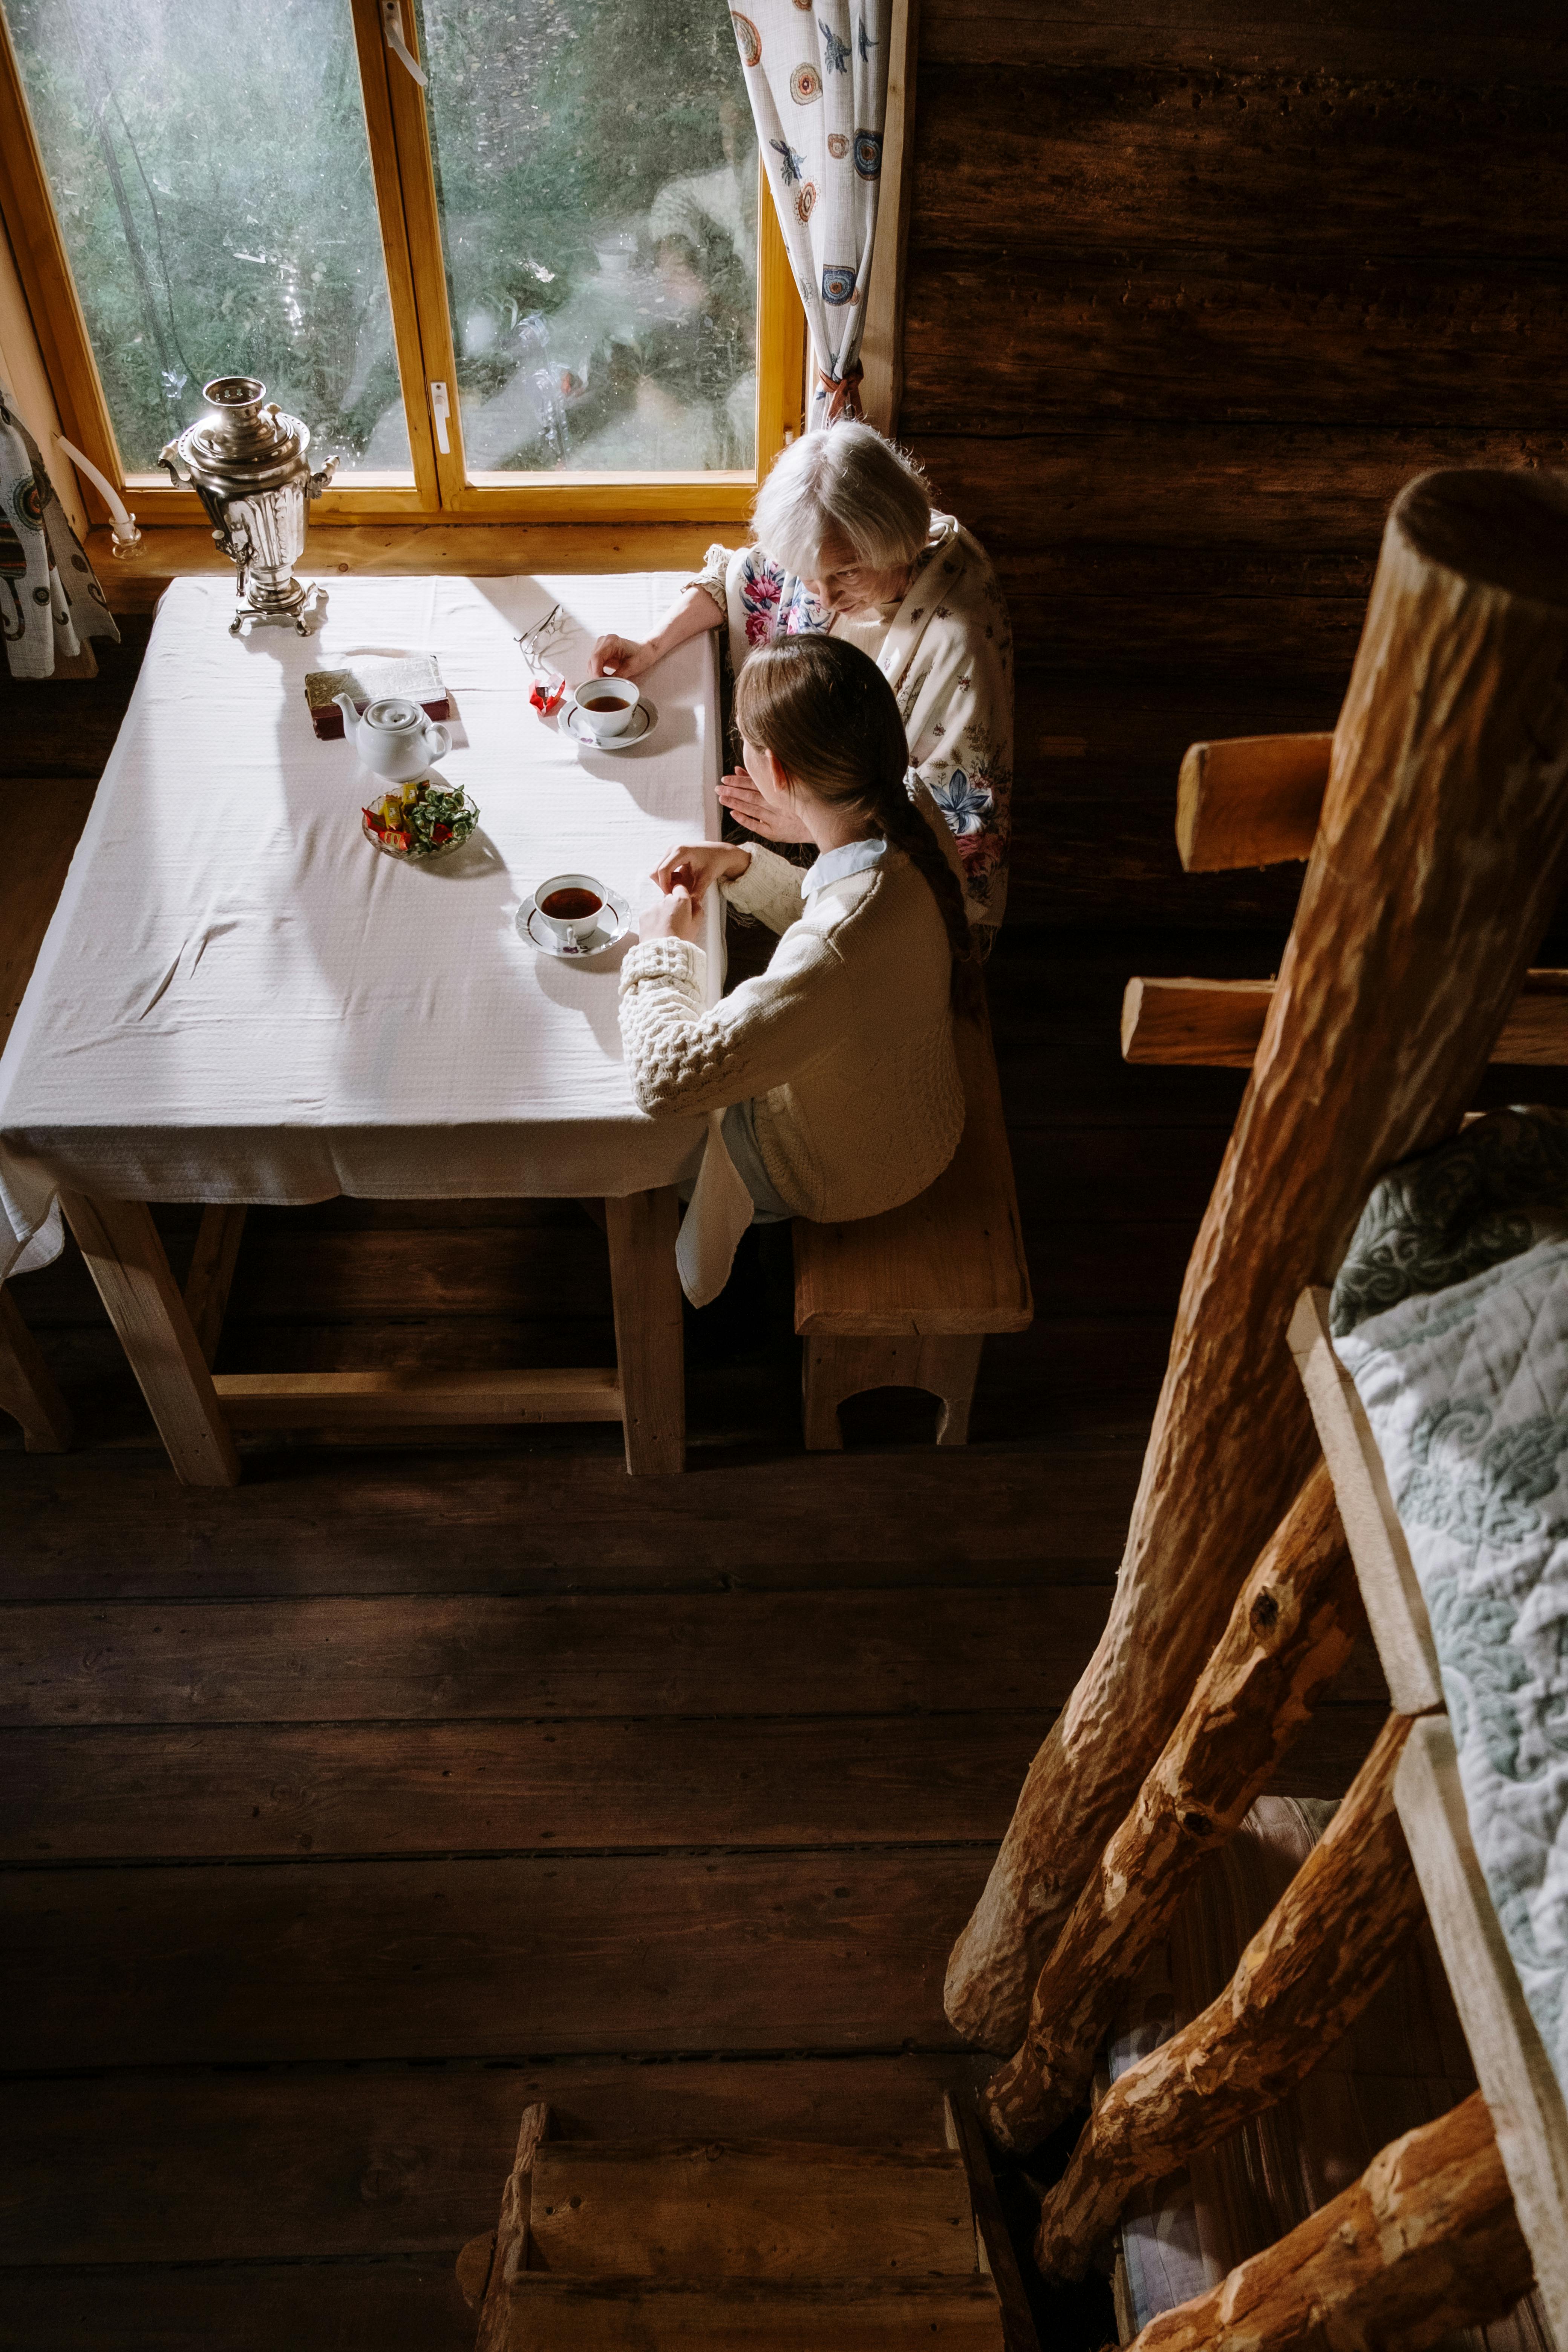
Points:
(133, 582)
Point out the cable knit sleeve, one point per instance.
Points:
(686, 1058)
(769, 889)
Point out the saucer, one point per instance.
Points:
(606, 934)
(571, 723)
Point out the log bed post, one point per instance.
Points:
(508, 2252)
(1328, 1945)
(1292, 1628)
(1424, 2243)
(1444, 827)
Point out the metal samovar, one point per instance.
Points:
(245, 461)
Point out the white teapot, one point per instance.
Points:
(394, 739)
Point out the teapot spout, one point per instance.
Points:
(345, 703)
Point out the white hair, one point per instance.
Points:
(846, 480)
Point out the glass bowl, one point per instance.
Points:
(419, 820)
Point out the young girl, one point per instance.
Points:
(834, 1068)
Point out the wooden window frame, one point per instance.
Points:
(403, 174)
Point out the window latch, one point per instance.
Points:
(440, 409)
(392, 26)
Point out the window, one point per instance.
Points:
(563, 229)
(599, 228)
(213, 189)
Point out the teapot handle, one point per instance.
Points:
(439, 740)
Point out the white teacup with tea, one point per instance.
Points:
(571, 907)
(605, 706)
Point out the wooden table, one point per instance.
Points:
(197, 1410)
(412, 1046)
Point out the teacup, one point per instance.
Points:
(570, 905)
(607, 705)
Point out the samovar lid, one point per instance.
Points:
(245, 442)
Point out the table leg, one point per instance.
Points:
(126, 1259)
(213, 1262)
(649, 1339)
(28, 1390)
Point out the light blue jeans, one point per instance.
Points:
(739, 1127)
(738, 1130)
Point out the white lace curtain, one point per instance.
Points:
(816, 72)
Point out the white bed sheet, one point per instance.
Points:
(241, 999)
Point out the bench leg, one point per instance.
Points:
(834, 1369)
(825, 1382)
(949, 1368)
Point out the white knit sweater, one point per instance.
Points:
(845, 1044)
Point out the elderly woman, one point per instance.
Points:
(847, 541)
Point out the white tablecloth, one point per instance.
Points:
(239, 999)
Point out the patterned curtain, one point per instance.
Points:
(816, 71)
(49, 600)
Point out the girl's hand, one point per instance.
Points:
(620, 657)
(694, 865)
(741, 798)
(674, 918)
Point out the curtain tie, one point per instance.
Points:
(842, 397)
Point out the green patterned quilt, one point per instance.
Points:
(1451, 1313)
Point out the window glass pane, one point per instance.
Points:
(596, 170)
(211, 170)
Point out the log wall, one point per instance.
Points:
(1194, 286)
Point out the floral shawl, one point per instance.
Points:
(947, 652)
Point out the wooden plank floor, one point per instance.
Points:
(342, 1815)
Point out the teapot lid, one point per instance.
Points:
(393, 711)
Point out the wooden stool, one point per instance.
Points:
(784, 2246)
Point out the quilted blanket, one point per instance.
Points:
(1451, 1315)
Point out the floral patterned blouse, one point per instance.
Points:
(946, 650)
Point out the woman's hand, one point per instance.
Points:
(674, 918)
(695, 866)
(621, 657)
(694, 616)
(743, 801)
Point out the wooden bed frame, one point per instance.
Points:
(1528, 2111)
(1436, 823)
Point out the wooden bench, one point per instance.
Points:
(905, 1300)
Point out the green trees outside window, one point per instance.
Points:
(596, 181)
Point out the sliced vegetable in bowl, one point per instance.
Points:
(422, 820)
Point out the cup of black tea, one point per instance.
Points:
(607, 705)
(570, 907)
